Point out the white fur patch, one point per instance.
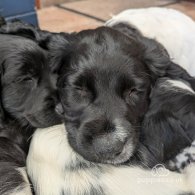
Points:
(51, 163)
(120, 132)
(180, 85)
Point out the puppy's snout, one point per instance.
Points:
(108, 146)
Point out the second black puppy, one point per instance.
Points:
(28, 100)
(168, 126)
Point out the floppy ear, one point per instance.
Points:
(155, 56)
(60, 47)
(127, 29)
(164, 136)
(159, 63)
(59, 44)
(22, 29)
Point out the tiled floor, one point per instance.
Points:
(75, 16)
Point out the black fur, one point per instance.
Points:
(107, 74)
(27, 101)
(28, 92)
(168, 126)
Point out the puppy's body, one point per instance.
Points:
(55, 169)
(174, 30)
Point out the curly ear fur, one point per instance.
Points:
(57, 43)
(155, 56)
(20, 28)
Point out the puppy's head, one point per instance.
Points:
(104, 85)
(27, 87)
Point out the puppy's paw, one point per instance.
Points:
(183, 159)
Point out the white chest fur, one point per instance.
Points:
(55, 169)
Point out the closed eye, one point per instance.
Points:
(24, 79)
(82, 91)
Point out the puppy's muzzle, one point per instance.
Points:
(108, 146)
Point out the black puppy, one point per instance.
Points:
(28, 100)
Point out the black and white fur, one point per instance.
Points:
(183, 159)
(174, 73)
(55, 168)
(61, 170)
(168, 126)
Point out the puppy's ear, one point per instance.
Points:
(164, 136)
(158, 62)
(26, 30)
(19, 28)
(155, 56)
(60, 47)
(127, 29)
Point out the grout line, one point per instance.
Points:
(81, 13)
(171, 3)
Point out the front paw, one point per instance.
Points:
(183, 159)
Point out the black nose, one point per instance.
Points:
(108, 146)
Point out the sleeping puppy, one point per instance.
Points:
(28, 100)
(105, 78)
(56, 168)
(28, 92)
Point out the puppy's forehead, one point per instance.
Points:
(105, 53)
(21, 54)
(107, 40)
